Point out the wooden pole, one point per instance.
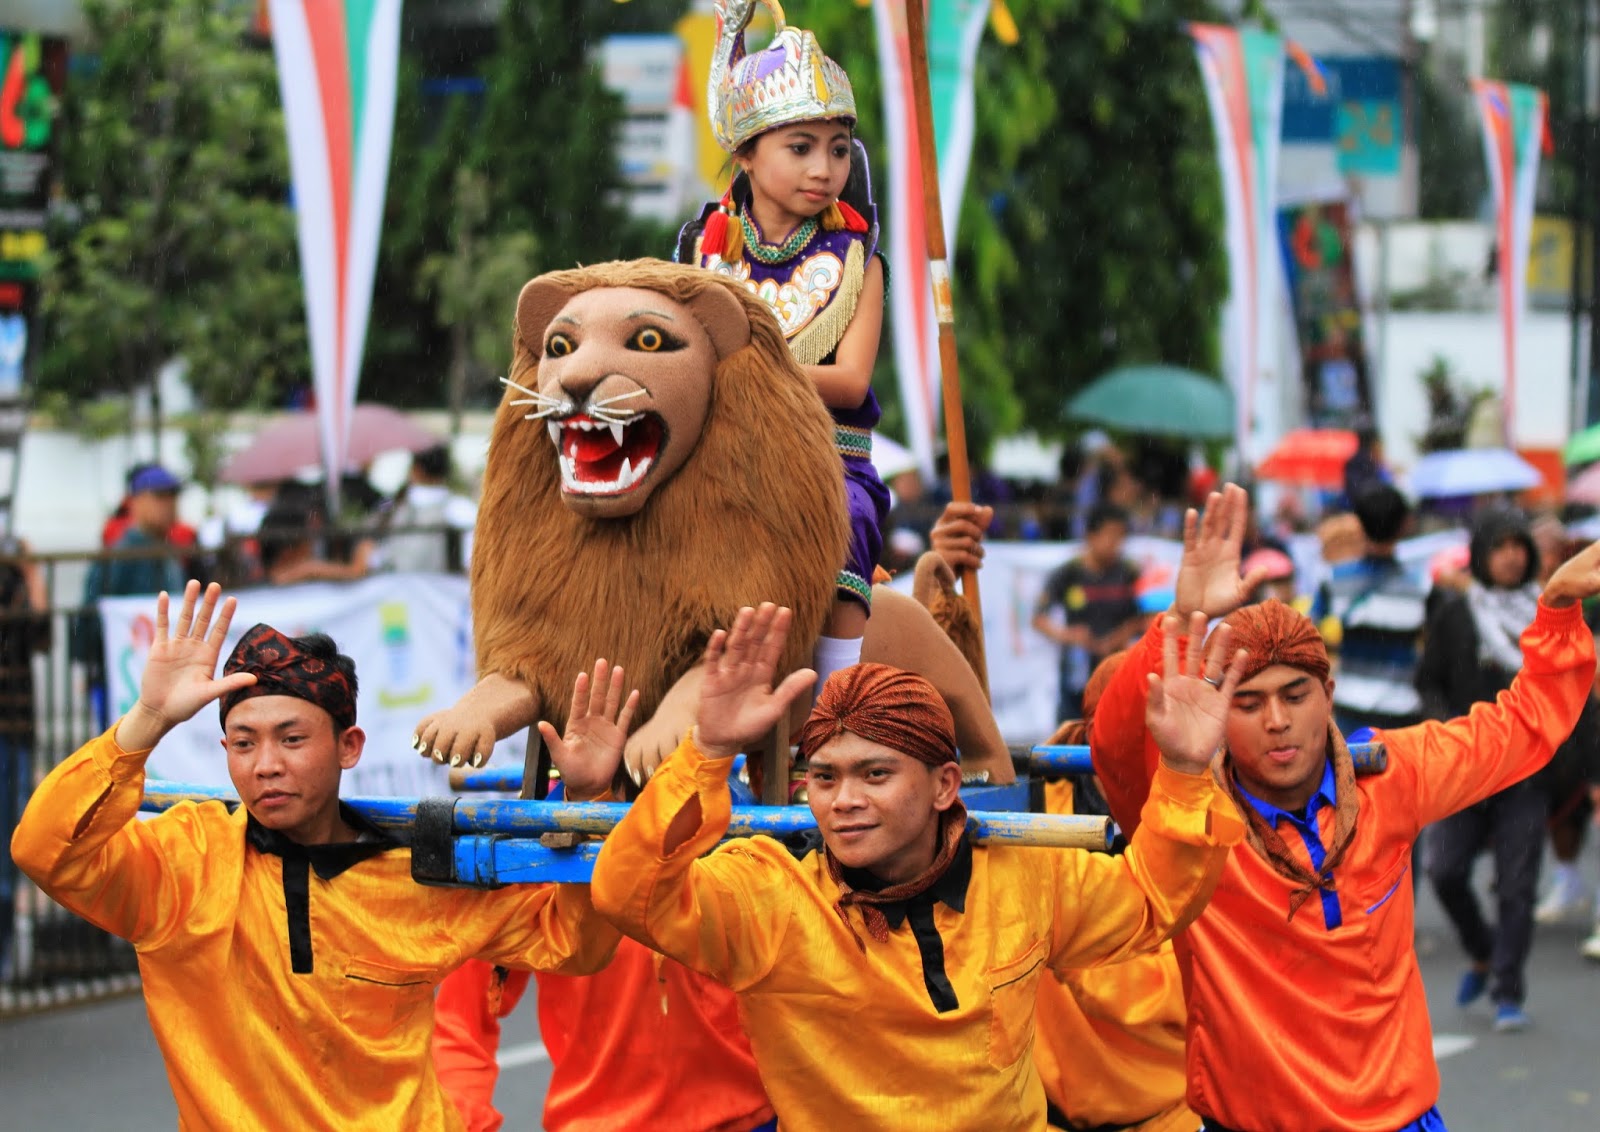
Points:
(955, 427)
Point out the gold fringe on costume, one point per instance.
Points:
(824, 333)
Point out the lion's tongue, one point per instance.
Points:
(592, 446)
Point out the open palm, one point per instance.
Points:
(180, 673)
(1208, 577)
(597, 727)
(1187, 709)
(738, 704)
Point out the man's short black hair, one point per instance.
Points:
(322, 646)
(1383, 512)
(1103, 513)
(433, 462)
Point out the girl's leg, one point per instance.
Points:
(840, 644)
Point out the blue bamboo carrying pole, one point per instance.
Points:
(520, 818)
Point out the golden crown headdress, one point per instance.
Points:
(790, 80)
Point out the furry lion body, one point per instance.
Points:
(756, 513)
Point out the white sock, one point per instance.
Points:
(1566, 879)
(833, 653)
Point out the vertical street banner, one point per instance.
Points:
(33, 70)
(1317, 244)
(955, 29)
(1242, 70)
(337, 69)
(1515, 132)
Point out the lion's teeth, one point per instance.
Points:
(555, 433)
(616, 433)
(572, 452)
(623, 479)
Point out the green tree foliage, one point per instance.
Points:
(470, 286)
(1091, 232)
(540, 147)
(173, 154)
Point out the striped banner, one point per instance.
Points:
(1243, 75)
(955, 28)
(337, 67)
(1515, 130)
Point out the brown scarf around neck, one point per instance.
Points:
(1265, 840)
(952, 828)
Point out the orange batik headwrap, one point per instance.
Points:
(1273, 633)
(901, 711)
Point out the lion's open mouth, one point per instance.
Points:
(605, 458)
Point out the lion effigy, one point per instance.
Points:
(658, 461)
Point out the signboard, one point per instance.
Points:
(1361, 113)
(33, 70)
(1550, 254)
(655, 146)
(1317, 246)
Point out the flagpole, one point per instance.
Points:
(955, 428)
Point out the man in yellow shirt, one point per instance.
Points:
(288, 958)
(886, 967)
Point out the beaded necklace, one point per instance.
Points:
(774, 254)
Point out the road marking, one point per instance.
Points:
(1448, 1045)
(529, 1053)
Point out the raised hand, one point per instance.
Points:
(179, 675)
(1577, 579)
(597, 726)
(1187, 709)
(1208, 577)
(738, 705)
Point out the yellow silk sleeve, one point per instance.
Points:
(80, 842)
(552, 928)
(1110, 907)
(724, 915)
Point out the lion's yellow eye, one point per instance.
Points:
(559, 346)
(648, 339)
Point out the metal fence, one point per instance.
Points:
(48, 956)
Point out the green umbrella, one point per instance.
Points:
(1584, 447)
(1157, 400)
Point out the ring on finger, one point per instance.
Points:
(1214, 682)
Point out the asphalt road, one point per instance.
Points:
(96, 1067)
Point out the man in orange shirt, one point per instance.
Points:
(886, 952)
(288, 958)
(1306, 1007)
(1109, 1043)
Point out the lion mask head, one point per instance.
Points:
(659, 461)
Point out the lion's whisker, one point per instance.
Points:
(618, 397)
(539, 398)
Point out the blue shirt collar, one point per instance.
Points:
(1323, 797)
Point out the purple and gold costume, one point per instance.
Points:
(814, 293)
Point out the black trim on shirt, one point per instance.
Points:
(297, 903)
(951, 889)
(931, 946)
(328, 861)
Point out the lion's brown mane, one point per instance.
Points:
(756, 514)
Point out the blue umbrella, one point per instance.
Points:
(1472, 471)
